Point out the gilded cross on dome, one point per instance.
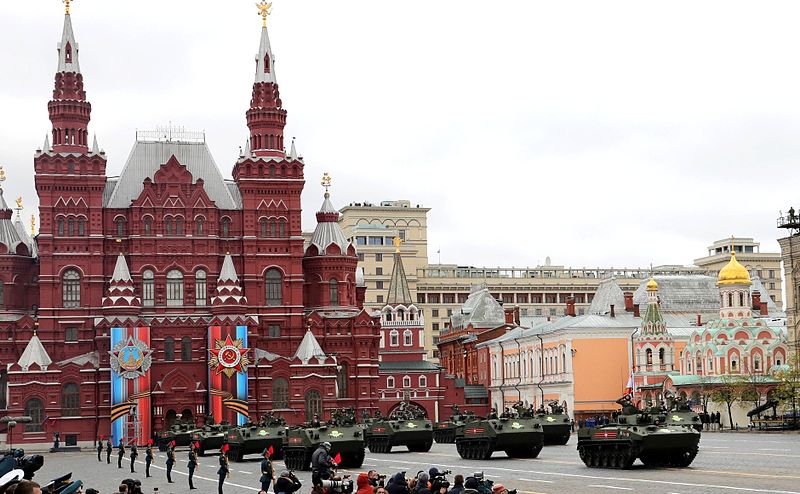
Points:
(326, 181)
(263, 10)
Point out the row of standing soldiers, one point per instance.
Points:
(223, 472)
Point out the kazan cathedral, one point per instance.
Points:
(171, 293)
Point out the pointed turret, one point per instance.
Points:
(121, 293)
(399, 293)
(293, 152)
(10, 239)
(95, 147)
(653, 321)
(266, 117)
(309, 348)
(34, 353)
(24, 236)
(229, 289)
(69, 110)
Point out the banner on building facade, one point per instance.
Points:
(227, 373)
(131, 358)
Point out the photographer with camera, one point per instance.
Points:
(398, 484)
(438, 480)
(322, 464)
(376, 480)
(287, 483)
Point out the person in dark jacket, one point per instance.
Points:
(192, 465)
(134, 455)
(99, 449)
(120, 453)
(458, 485)
(267, 472)
(170, 461)
(224, 470)
(148, 458)
(109, 448)
(287, 483)
(322, 464)
(423, 484)
(397, 484)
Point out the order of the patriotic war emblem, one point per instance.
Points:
(228, 356)
(131, 358)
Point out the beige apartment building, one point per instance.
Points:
(763, 265)
(540, 292)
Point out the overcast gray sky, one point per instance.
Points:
(597, 133)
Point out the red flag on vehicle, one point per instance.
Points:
(270, 450)
(225, 448)
(150, 442)
(338, 458)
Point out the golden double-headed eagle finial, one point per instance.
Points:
(263, 10)
(19, 202)
(326, 181)
(33, 225)
(2, 174)
(66, 5)
(397, 241)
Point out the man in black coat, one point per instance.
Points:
(134, 455)
(109, 448)
(148, 458)
(170, 461)
(192, 465)
(99, 450)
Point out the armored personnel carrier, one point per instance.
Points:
(555, 424)
(444, 432)
(180, 432)
(210, 437)
(342, 431)
(253, 438)
(678, 412)
(518, 437)
(406, 426)
(638, 434)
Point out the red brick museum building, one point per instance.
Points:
(171, 292)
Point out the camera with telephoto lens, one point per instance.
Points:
(485, 485)
(343, 485)
(439, 481)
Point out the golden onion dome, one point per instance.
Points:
(652, 286)
(733, 273)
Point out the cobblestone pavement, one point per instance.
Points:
(727, 463)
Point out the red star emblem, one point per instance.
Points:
(228, 357)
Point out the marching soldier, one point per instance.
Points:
(170, 461)
(148, 457)
(192, 465)
(134, 455)
(99, 449)
(120, 453)
(224, 471)
(267, 471)
(109, 448)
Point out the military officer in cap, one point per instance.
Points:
(134, 455)
(120, 453)
(224, 470)
(170, 461)
(148, 458)
(267, 471)
(109, 448)
(192, 465)
(99, 449)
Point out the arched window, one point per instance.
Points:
(70, 227)
(168, 226)
(280, 393)
(282, 228)
(81, 226)
(390, 382)
(186, 349)
(174, 288)
(225, 227)
(200, 287)
(148, 225)
(60, 226)
(179, 226)
(406, 382)
(71, 289)
(333, 288)
(341, 380)
(757, 363)
(273, 229)
(3, 389)
(198, 226)
(148, 288)
(120, 226)
(730, 300)
(2, 294)
(407, 338)
(734, 363)
(741, 299)
(274, 284)
(262, 227)
(394, 338)
(169, 349)
(70, 400)
(649, 356)
(563, 362)
(423, 381)
(313, 404)
(266, 63)
(35, 410)
(661, 356)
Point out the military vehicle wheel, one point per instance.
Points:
(423, 447)
(684, 458)
(564, 440)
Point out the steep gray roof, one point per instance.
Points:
(22, 231)
(81, 360)
(228, 271)
(309, 348)
(686, 293)
(34, 353)
(608, 293)
(8, 232)
(481, 310)
(328, 232)
(398, 284)
(758, 286)
(413, 365)
(67, 37)
(121, 271)
(264, 49)
(147, 157)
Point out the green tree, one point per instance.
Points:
(750, 389)
(727, 391)
(788, 390)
